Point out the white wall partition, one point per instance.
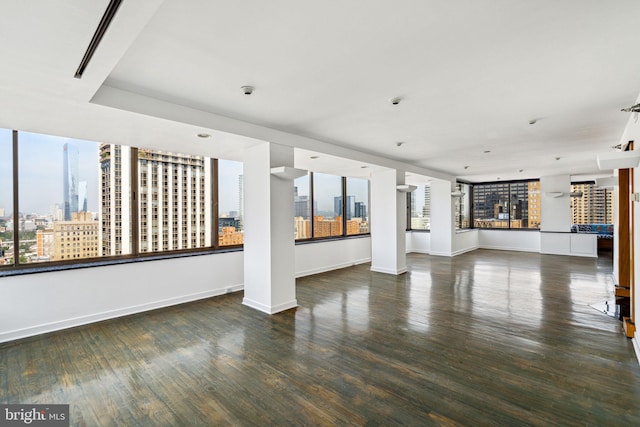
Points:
(32, 304)
(509, 240)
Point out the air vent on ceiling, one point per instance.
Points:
(112, 8)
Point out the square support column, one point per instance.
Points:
(269, 244)
(442, 221)
(388, 223)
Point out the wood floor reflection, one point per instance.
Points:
(485, 338)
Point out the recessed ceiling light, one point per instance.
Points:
(247, 90)
(314, 157)
(533, 121)
(364, 167)
(396, 100)
(204, 135)
(466, 167)
(521, 170)
(399, 144)
(557, 158)
(486, 151)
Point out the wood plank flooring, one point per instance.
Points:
(485, 338)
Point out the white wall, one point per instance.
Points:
(318, 257)
(418, 242)
(509, 240)
(555, 211)
(31, 304)
(466, 241)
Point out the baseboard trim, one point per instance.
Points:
(463, 251)
(269, 309)
(508, 248)
(326, 268)
(636, 347)
(112, 314)
(389, 270)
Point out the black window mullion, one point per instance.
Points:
(215, 215)
(311, 210)
(135, 203)
(344, 206)
(16, 204)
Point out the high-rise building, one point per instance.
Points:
(75, 239)
(70, 157)
(173, 190)
(594, 206)
(337, 206)
(426, 209)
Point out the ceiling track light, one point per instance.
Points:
(106, 20)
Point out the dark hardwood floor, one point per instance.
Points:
(485, 338)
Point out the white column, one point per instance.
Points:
(388, 223)
(442, 224)
(269, 276)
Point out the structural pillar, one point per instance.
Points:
(269, 244)
(388, 223)
(442, 221)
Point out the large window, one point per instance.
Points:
(82, 200)
(420, 208)
(327, 205)
(508, 205)
(6, 198)
(58, 197)
(339, 206)
(302, 207)
(591, 204)
(231, 203)
(357, 206)
(462, 204)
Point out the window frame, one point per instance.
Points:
(136, 255)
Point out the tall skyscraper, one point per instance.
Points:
(70, 156)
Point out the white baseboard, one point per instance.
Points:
(463, 251)
(269, 309)
(395, 272)
(111, 314)
(418, 251)
(326, 268)
(636, 347)
(508, 248)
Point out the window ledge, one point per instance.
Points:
(43, 268)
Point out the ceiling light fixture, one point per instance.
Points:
(486, 151)
(533, 121)
(396, 100)
(314, 157)
(364, 167)
(204, 135)
(247, 90)
(399, 144)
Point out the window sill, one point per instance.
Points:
(45, 268)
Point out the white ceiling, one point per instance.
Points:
(471, 75)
